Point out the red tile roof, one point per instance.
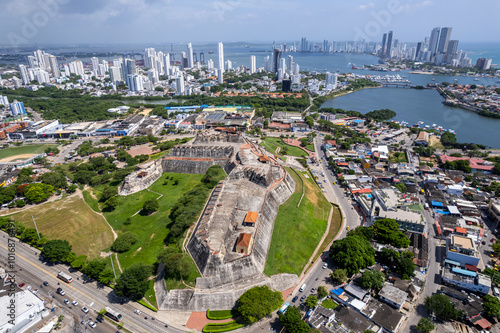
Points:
(475, 163)
(251, 217)
(362, 190)
(461, 230)
(244, 240)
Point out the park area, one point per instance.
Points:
(151, 230)
(297, 230)
(23, 152)
(70, 219)
(271, 144)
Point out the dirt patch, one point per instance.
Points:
(145, 112)
(310, 192)
(136, 251)
(20, 157)
(150, 238)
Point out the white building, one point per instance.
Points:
(76, 67)
(228, 65)
(17, 108)
(190, 55)
(252, 64)
(134, 83)
(115, 74)
(331, 81)
(24, 74)
(179, 85)
(4, 101)
(221, 58)
(54, 66)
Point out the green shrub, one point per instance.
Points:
(124, 242)
(141, 302)
(222, 327)
(221, 314)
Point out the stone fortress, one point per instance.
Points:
(231, 239)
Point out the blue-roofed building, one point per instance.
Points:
(462, 249)
(358, 122)
(437, 204)
(467, 280)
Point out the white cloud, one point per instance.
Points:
(367, 6)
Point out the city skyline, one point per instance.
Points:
(27, 22)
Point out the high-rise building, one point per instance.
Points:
(150, 58)
(326, 46)
(4, 101)
(220, 75)
(179, 84)
(17, 108)
(40, 58)
(276, 60)
(433, 41)
(76, 67)
(253, 66)
(267, 64)
(33, 63)
(24, 74)
(388, 52)
(418, 49)
(115, 74)
(95, 64)
(135, 83)
(444, 39)
(331, 81)
(210, 64)
(452, 47)
(221, 57)
(483, 63)
(304, 45)
(190, 55)
(167, 64)
(54, 66)
(384, 45)
(289, 63)
(228, 65)
(286, 85)
(296, 69)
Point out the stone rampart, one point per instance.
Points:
(141, 179)
(197, 159)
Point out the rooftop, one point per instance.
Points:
(244, 240)
(393, 294)
(462, 242)
(251, 217)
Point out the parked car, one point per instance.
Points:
(92, 324)
(303, 298)
(492, 240)
(75, 303)
(22, 285)
(312, 289)
(295, 299)
(45, 283)
(137, 311)
(100, 319)
(66, 301)
(85, 310)
(325, 266)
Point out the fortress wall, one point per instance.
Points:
(192, 166)
(134, 183)
(202, 151)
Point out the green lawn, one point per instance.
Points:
(24, 149)
(150, 294)
(401, 158)
(310, 147)
(297, 231)
(91, 201)
(291, 150)
(329, 304)
(151, 230)
(269, 147)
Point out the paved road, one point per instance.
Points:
(27, 259)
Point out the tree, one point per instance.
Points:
(339, 275)
(79, 262)
(440, 305)
(108, 192)
(94, 267)
(401, 187)
(292, 320)
(38, 192)
(387, 232)
(491, 306)
(389, 257)
(213, 175)
(425, 326)
(133, 282)
(30, 236)
(405, 266)
(124, 242)
(352, 253)
(150, 206)
(366, 232)
(72, 188)
(111, 203)
(496, 247)
(56, 179)
(56, 250)
(372, 280)
(311, 301)
(258, 302)
(106, 276)
(328, 137)
(322, 292)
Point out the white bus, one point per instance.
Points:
(113, 315)
(65, 277)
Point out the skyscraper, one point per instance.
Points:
(115, 74)
(17, 108)
(326, 46)
(452, 47)
(304, 45)
(252, 64)
(276, 60)
(54, 66)
(289, 63)
(433, 41)
(190, 55)
(95, 64)
(331, 81)
(384, 46)
(444, 39)
(167, 64)
(221, 57)
(179, 84)
(389, 45)
(419, 48)
(24, 74)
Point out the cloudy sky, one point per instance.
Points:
(25, 22)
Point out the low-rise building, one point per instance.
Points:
(466, 279)
(462, 249)
(321, 317)
(393, 296)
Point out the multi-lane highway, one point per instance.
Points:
(34, 272)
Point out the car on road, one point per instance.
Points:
(92, 324)
(137, 311)
(348, 227)
(295, 299)
(483, 242)
(61, 292)
(99, 319)
(303, 298)
(22, 285)
(492, 240)
(45, 283)
(85, 310)
(66, 301)
(75, 303)
(325, 266)
(312, 289)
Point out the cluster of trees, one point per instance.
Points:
(491, 307)
(99, 170)
(166, 145)
(463, 165)
(449, 140)
(124, 242)
(38, 192)
(129, 141)
(292, 320)
(386, 231)
(372, 280)
(27, 235)
(440, 306)
(257, 303)
(187, 207)
(150, 206)
(400, 263)
(177, 264)
(381, 115)
(352, 253)
(133, 283)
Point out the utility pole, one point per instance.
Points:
(36, 228)
(113, 266)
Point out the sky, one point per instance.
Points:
(28, 22)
